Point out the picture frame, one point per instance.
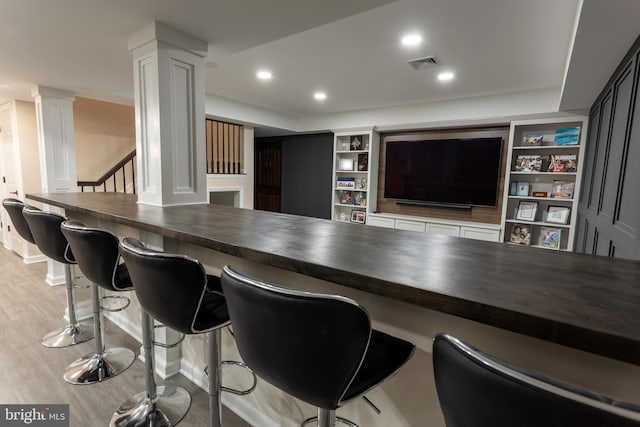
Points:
(363, 162)
(346, 183)
(558, 214)
(550, 238)
(520, 234)
(562, 189)
(358, 216)
(345, 164)
(522, 188)
(345, 197)
(527, 211)
(356, 143)
(532, 140)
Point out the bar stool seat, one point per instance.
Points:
(14, 208)
(96, 252)
(476, 389)
(319, 348)
(45, 228)
(175, 290)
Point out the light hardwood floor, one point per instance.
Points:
(32, 373)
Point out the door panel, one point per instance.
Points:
(10, 184)
(268, 191)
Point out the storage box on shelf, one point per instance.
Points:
(354, 175)
(543, 182)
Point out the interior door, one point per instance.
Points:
(10, 184)
(268, 191)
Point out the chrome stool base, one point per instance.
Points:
(68, 335)
(167, 409)
(337, 419)
(96, 367)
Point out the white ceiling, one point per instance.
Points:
(350, 49)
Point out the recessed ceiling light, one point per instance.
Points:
(411, 40)
(264, 75)
(320, 96)
(446, 76)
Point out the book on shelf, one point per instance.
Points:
(346, 183)
(562, 189)
(345, 197)
(550, 238)
(528, 163)
(562, 163)
(567, 136)
(520, 234)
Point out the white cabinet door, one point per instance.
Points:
(403, 224)
(480, 234)
(381, 222)
(447, 230)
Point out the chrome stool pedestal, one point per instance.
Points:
(162, 406)
(75, 332)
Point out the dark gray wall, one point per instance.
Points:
(609, 208)
(306, 174)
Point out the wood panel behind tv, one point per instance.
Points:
(476, 214)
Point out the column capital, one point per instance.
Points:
(51, 92)
(157, 31)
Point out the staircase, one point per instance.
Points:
(119, 179)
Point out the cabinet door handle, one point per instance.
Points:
(13, 192)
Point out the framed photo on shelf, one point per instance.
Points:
(567, 136)
(356, 142)
(527, 211)
(558, 214)
(520, 234)
(346, 183)
(550, 238)
(346, 198)
(345, 164)
(562, 189)
(522, 188)
(345, 145)
(562, 163)
(358, 216)
(363, 162)
(528, 163)
(532, 140)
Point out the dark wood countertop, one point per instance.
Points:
(585, 302)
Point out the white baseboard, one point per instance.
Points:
(239, 405)
(34, 259)
(55, 280)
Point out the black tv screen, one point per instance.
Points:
(444, 171)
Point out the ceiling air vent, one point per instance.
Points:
(422, 63)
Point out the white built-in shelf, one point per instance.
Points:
(549, 147)
(553, 199)
(546, 224)
(545, 173)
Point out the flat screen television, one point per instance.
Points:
(456, 172)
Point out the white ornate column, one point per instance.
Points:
(56, 145)
(168, 69)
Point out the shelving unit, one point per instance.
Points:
(545, 183)
(355, 167)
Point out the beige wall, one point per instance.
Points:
(28, 146)
(104, 134)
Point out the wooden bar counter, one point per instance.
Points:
(568, 316)
(585, 302)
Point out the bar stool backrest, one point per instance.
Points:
(96, 252)
(45, 228)
(14, 209)
(169, 287)
(307, 344)
(478, 390)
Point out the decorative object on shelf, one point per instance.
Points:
(356, 142)
(343, 216)
(358, 198)
(539, 194)
(558, 214)
(562, 163)
(345, 164)
(520, 234)
(532, 140)
(550, 238)
(345, 197)
(567, 136)
(366, 147)
(358, 216)
(346, 183)
(513, 190)
(522, 188)
(527, 211)
(362, 184)
(528, 163)
(363, 162)
(345, 146)
(562, 189)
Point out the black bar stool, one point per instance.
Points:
(96, 252)
(45, 228)
(175, 290)
(14, 209)
(479, 390)
(318, 348)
